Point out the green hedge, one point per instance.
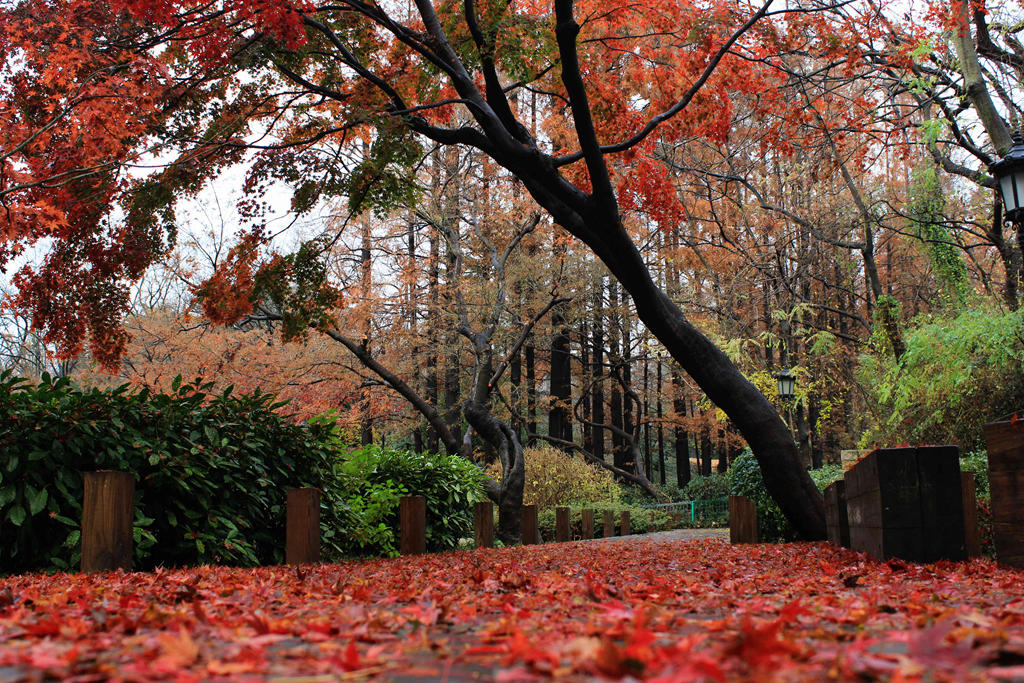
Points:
(211, 473)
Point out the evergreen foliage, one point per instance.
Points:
(211, 472)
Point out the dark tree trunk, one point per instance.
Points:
(431, 378)
(598, 370)
(723, 454)
(682, 438)
(620, 453)
(531, 394)
(707, 452)
(559, 424)
(659, 409)
(585, 372)
(515, 378)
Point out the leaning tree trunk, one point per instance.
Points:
(755, 417)
(597, 223)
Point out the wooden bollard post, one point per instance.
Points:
(529, 525)
(588, 524)
(972, 538)
(837, 523)
(742, 520)
(1006, 481)
(561, 524)
(624, 523)
(412, 521)
(609, 523)
(108, 508)
(483, 524)
(302, 535)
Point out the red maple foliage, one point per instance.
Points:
(670, 611)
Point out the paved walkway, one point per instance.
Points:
(673, 535)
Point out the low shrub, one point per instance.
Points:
(211, 471)
(706, 488)
(745, 479)
(372, 480)
(555, 478)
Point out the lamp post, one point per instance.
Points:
(1009, 174)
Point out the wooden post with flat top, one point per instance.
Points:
(588, 524)
(108, 508)
(742, 520)
(561, 524)
(609, 523)
(302, 535)
(412, 522)
(483, 524)
(529, 524)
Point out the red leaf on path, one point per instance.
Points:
(179, 650)
(760, 645)
(351, 659)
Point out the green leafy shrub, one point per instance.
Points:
(641, 520)
(745, 479)
(555, 478)
(957, 374)
(211, 471)
(706, 488)
(373, 479)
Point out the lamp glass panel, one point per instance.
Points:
(1006, 187)
(1018, 180)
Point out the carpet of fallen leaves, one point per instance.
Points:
(676, 611)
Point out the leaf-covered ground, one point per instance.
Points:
(679, 611)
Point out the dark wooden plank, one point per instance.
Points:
(1009, 543)
(588, 523)
(862, 477)
(865, 509)
(529, 525)
(940, 494)
(969, 496)
(609, 523)
(742, 520)
(302, 533)
(108, 509)
(899, 484)
(483, 524)
(412, 522)
(561, 524)
(1005, 442)
(867, 540)
(624, 527)
(1007, 489)
(836, 518)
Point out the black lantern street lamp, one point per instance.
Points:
(787, 384)
(1009, 174)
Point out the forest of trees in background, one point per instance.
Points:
(779, 289)
(823, 230)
